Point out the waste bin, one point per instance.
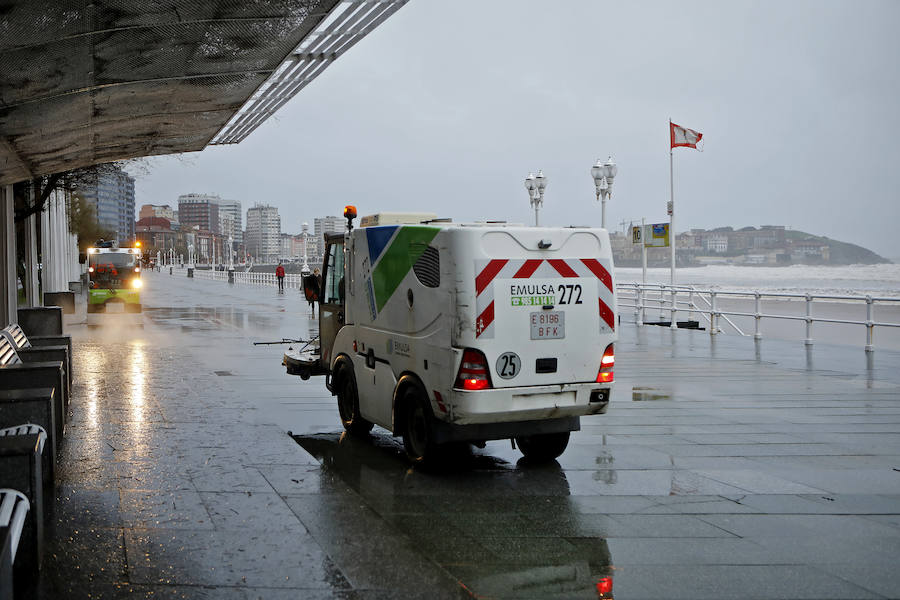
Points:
(231, 276)
(191, 272)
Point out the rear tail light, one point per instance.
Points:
(604, 587)
(473, 371)
(606, 366)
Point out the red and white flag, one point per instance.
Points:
(683, 137)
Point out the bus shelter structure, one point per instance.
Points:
(84, 83)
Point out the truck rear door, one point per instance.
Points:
(545, 316)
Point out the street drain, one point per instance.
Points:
(223, 373)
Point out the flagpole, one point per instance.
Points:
(672, 240)
(672, 203)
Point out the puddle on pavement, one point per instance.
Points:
(643, 394)
(197, 318)
(109, 322)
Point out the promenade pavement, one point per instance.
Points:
(724, 469)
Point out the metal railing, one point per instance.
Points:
(291, 281)
(705, 304)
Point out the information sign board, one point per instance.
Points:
(658, 235)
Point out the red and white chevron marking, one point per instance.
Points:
(490, 270)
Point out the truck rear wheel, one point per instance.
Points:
(418, 434)
(348, 404)
(543, 447)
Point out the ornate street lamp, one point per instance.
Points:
(536, 184)
(304, 270)
(603, 174)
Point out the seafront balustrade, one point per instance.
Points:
(725, 310)
(291, 280)
(740, 312)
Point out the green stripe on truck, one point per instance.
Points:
(399, 257)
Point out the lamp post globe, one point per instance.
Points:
(611, 170)
(597, 172)
(531, 187)
(603, 175)
(541, 181)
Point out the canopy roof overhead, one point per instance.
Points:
(84, 82)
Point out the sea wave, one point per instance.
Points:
(854, 280)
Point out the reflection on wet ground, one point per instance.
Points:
(744, 471)
(194, 318)
(497, 527)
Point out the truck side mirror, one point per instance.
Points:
(311, 288)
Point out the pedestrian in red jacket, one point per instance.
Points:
(279, 273)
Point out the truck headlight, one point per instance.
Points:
(136, 283)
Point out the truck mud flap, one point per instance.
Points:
(446, 432)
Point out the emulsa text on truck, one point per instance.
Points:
(464, 332)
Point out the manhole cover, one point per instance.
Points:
(223, 373)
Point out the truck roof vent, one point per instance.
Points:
(428, 268)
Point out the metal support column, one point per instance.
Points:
(46, 258)
(32, 289)
(8, 287)
(54, 238)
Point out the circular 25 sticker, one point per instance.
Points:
(508, 365)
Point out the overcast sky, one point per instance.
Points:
(448, 105)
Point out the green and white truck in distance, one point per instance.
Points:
(114, 274)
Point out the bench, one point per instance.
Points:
(13, 510)
(35, 407)
(21, 457)
(40, 320)
(18, 375)
(41, 347)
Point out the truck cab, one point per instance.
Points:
(444, 332)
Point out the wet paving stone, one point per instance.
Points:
(229, 558)
(259, 511)
(164, 509)
(80, 506)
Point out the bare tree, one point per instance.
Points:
(70, 181)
